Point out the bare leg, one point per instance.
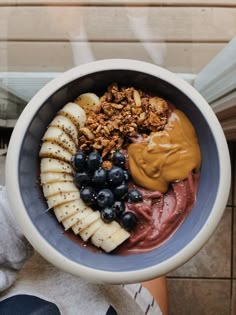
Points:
(158, 289)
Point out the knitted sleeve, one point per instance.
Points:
(14, 248)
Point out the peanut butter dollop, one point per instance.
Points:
(166, 156)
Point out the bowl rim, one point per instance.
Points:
(47, 250)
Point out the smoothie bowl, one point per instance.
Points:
(118, 171)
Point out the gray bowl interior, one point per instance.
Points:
(46, 223)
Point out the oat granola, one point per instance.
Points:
(123, 113)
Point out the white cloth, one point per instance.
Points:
(72, 295)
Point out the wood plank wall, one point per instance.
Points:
(122, 2)
(55, 35)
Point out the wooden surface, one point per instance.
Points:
(41, 56)
(229, 127)
(182, 36)
(123, 24)
(55, 35)
(123, 2)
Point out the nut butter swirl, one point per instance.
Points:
(166, 156)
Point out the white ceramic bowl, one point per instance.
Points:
(42, 229)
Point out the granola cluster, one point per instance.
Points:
(121, 116)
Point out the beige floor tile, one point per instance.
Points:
(214, 259)
(233, 306)
(234, 248)
(199, 297)
(234, 176)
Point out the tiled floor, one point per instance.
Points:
(205, 285)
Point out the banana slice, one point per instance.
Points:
(76, 218)
(75, 113)
(104, 232)
(58, 136)
(59, 145)
(48, 178)
(52, 150)
(87, 101)
(66, 125)
(85, 222)
(58, 187)
(86, 233)
(67, 209)
(55, 166)
(62, 198)
(115, 240)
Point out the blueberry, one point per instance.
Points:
(118, 159)
(118, 207)
(134, 196)
(121, 190)
(82, 179)
(115, 176)
(108, 215)
(105, 198)
(100, 177)
(94, 161)
(128, 220)
(79, 161)
(88, 195)
(126, 175)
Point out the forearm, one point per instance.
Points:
(158, 288)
